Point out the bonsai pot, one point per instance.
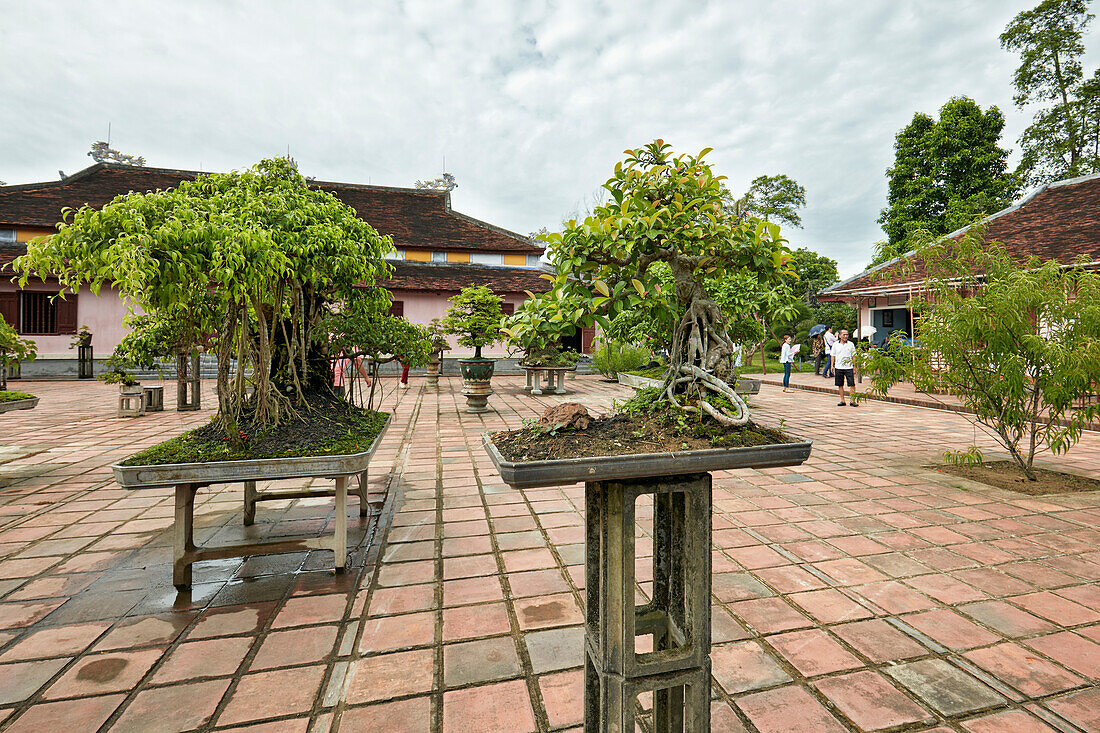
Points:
(433, 370)
(476, 375)
(558, 472)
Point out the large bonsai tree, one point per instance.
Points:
(474, 315)
(265, 247)
(669, 209)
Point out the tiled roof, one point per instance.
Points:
(9, 252)
(415, 218)
(1059, 222)
(452, 277)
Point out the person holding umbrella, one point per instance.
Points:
(818, 347)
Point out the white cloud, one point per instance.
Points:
(530, 102)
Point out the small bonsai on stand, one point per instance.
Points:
(439, 345)
(13, 350)
(475, 317)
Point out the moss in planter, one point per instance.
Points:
(657, 372)
(6, 396)
(327, 427)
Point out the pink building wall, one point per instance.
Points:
(422, 307)
(102, 315)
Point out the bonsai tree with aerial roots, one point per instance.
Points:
(248, 262)
(669, 209)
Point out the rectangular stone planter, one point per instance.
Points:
(11, 405)
(188, 478)
(525, 475)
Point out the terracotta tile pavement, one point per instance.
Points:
(860, 591)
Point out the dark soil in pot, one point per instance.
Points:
(630, 433)
(325, 426)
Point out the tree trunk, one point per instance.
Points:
(701, 361)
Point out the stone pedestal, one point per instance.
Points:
(85, 365)
(677, 671)
(154, 398)
(131, 401)
(188, 383)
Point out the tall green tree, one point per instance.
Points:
(769, 198)
(814, 271)
(1063, 140)
(946, 173)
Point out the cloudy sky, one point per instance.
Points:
(531, 103)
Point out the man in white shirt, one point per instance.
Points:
(830, 341)
(844, 352)
(786, 356)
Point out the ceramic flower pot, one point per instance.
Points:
(476, 375)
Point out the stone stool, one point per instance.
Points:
(677, 616)
(131, 403)
(154, 399)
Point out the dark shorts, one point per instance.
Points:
(840, 375)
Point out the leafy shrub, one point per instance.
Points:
(613, 357)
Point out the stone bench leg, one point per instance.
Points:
(249, 502)
(677, 616)
(537, 388)
(183, 535)
(340, 537)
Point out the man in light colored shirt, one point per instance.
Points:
(786, 356)
(830, 341)
(844, 352)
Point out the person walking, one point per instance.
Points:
(786, 356)
(341, 370)
(844, 366)
(830, 341)
(818, 352)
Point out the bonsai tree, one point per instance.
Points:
(669, 209)
(362, 327)
(1017, 342)
(118, 371)
(538, 326)
(248, 259)
(13, 350)
(475, 317)
(83, 337)
(438, 336)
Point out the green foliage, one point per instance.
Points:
(13, 350)
(539, 324)
(661, 206)
(475, 317)
(946, 173)
(1018, 343)
(770, 198)
(612, 357)
(246, 260)
(972, 456)
(814, 272)
(118, 371)
(83, 337)
(1061, 141)
(362, 326)
(9, 396)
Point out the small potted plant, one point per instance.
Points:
(475, 316)
(14, 350)
(537, 328)
(82, 342)
(439, 345)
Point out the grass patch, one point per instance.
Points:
(7, 396)
(327, 427)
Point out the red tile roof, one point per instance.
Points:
(415, 218)
(452, 277)
(1059, 222)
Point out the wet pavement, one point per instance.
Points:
(860, 591)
